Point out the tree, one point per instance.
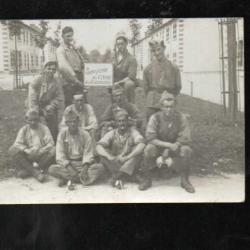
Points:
(95, 56)
(41, 39)
(135, 28)
(14, 27)
(153, 25)
(56, 40)
(107, 56)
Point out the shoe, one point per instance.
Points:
(112, 181)
(23, 174)
(145, 184)
(185, 184)
(70, 185)
(40, 177)
(62, 182)
(119, 184)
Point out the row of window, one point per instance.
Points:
(24, 59)
(25, 37)
(167, 30)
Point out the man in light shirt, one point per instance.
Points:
(86, 114)
(74, 155)
(33, 150)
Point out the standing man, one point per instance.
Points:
(33, 150)
(86, 114)
(125, 67)
(159, 75)
(74, 155)
(121, 150)
(70, 64)
(46, 97)
(168, 137)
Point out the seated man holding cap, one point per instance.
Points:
(168, 136)
(86, 114)
(121, 149)
(74, 155)
(33, 150)
(119, 101)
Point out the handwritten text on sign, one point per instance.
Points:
(98, 74)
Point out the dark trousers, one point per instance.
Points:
(52, 123)
(21, 161)
(71, 89)
(181, 158)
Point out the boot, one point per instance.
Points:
(145, 181)
(62, 182)
(38, 175)
(187, 185)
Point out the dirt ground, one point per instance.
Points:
(225, 188)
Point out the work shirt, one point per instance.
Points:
(87, 117)
(69, 61)
(39, 138)
(119, 144)
(169, 129)
(158, 77)
(125, 66)
(43, 94)
(74, 147)
(131, 108)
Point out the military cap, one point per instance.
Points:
(67, 29)
(167, 96)
(70, 115)
(32, 113)
(155, 42)
(121, 34)
(120, 113)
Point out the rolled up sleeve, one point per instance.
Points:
(88, 156)
(151, 130)
(61, 155)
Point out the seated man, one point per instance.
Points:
(46, 96)
(168, 135)
(74, 155)
(33, 150)
(119, 101)
(120, 150)
(86, 114)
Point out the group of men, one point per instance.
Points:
(64, 138)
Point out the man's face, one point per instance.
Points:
(32, 121)
(73, 126)
(158, 52)
(122, 123)
(121, 45)
(79, 103)
(50, 71)
(119, 98)
(68, 37)
(168, 106)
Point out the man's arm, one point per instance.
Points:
(61, 154)
(93, 124)
(20, 141)
(184, 135)
(48, 140)
(88, 151)
(104, 143)
(64, 66)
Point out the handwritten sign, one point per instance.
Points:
(98, 74)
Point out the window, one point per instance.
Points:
(240, 53)
(24, 38)
(32, 60)
(12, 58)
(19, 58)
(174, 31)
(31, 39)
(37, 61)
(174, 58)
(167, 34)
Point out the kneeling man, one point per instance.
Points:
(168, 136)
(121, 149)
(74, 155)
(33, 150)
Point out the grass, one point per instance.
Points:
(218, 146)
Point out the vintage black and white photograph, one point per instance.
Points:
(122, 110)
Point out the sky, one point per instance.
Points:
(94, 33)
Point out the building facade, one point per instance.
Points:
(194, 45)
(29, 54)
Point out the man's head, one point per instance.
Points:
(157, 49)
(167, 103)
(121, 118)
(67, 35)
(79, 101)
(49, 69)
(118, 95)
(72, 121)
(32, 118)
(121, 42)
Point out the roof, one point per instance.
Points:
(159, 28)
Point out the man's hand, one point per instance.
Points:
(111, 158)
(48, 110)
(174, 147)
(121, 159)
(32, 153)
